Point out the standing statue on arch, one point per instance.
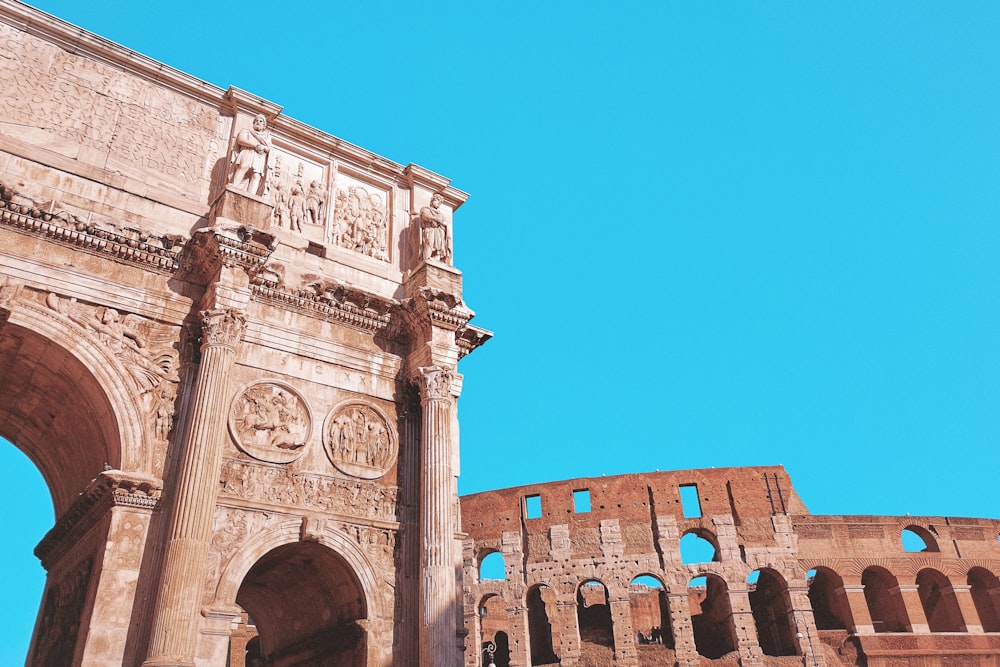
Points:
(251, 152)
(434, 238)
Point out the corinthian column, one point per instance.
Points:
(438, 585)
(175, 620)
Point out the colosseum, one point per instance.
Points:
(230, 344)
(723, 566)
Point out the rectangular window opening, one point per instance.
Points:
(690, 504)
(581, 501)
(533, 507)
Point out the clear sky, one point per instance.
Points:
(705, 233)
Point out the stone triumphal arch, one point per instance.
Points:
(229, 342)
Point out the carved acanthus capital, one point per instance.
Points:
(434, 382)
(222, 326)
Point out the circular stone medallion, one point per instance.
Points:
(359, 440)
(270, 422)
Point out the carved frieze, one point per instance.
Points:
(270, 422)
(359, 440)
(282, 486)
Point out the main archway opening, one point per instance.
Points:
(58, 431)
(308, 606)
(22, 486)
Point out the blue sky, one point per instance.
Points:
(705, 234)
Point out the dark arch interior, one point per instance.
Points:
(53, 409)
(306, 603)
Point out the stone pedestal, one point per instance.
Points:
(243, 208)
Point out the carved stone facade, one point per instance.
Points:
(213, 324)
(721, 567)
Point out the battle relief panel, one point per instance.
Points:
(271, 422)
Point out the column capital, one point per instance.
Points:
(435, 382)
(222, 327)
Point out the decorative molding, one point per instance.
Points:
(137, 247)
(111, 488)
(327, 300)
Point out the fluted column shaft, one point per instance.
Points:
(175, 621)
(438, 589)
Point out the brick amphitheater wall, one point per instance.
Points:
(831, 590)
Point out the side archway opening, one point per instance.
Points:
(885, 602)
(541, 600)
(828, 599)
(985, 589)
(650, 610)
(597, 637)
(711, 616)
(772, 614)
(308, 606)
(939, 602)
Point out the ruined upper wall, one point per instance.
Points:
(750, 495)
(91, 130)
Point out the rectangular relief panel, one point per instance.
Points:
(362, 216)
(300, 191)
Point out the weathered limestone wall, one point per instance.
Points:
(781, 584)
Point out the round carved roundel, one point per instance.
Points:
(270, 422)
(359, 440)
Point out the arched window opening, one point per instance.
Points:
(695, 548)
(23, 487)
(917, 539)
(772, 614)
(829, 600)
(985, 589)
(650, 612)
(938, 599)
(711, 617)
(541, 599)
(493, 627)
(597, 637)
(501, 650)
(492, 567)
(885, 602)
